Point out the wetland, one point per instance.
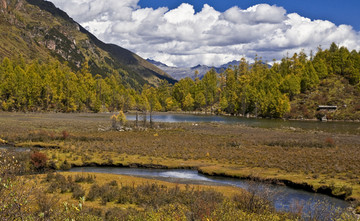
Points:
(315, 160)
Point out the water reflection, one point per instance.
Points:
(338, 127)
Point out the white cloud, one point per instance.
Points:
(262, 13)
(183, 37)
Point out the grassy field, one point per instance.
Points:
(327, 162)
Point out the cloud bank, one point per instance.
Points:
(182, 37)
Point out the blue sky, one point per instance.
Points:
(336, 11)
(215, 32)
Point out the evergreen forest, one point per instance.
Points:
(291, 88)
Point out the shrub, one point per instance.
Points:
(83, 179)
(46, 204)
(121, 214)
(78, 191)
(320, 114)
(357, 210)
(329, 142)
(357, 107)
(49, 177)
(125, 195)
(110, 193)
(257, 200)
(118, 121)
(347, 190)
(52, 165)
(65, 134)
(65, 166)
(15, 200)
(325, 211)
(94, 192)
(175, 211)
(38, 160)
(113, 183)
(57, 182)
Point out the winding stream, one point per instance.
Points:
(283, 197)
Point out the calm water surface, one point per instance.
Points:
(17, 149)
(338, 127)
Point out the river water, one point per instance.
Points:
(17, 149)
(337, 127)
(283, 198)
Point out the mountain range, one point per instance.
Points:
(183, 72)
(37, 30)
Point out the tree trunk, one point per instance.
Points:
(151, 121)
(137, 119)
(144, 118)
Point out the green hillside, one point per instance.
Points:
(37, 30)
(335, 82)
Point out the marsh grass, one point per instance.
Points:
(60, 196)
(288, 143)
(316, 158)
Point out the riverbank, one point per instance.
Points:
(220, 171)
(124, 197)
(215, 171)
(208, 113)
(269, 176)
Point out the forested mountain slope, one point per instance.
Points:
(36, 29)
(292, 88)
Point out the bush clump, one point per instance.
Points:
(38, 160)
(85, 179)
(65, 165)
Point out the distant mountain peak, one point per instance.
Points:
(183, 72)
(157, 63)
(232, 63)
(200, 66)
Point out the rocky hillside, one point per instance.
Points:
(36, 29)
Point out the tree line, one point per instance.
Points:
(256, 89)
(52, 86)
